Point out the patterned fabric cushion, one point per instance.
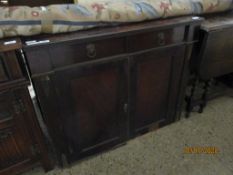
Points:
(22, 20)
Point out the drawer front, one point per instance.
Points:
(69, 54)
(46, 59)
(156, 39)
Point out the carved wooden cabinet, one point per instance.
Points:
(101, 87)
(21, 140)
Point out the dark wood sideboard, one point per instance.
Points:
(101, 87)
(21, 140)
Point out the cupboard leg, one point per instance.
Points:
(204, 96)
(190, 98)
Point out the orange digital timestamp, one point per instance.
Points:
(201, 150)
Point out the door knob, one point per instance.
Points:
(91, 50)
(161, 39)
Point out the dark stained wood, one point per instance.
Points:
(86, 52)
(38, 138)
(156, 39)
(15, 141)
(152, 86)
(10, 69)
(21, 140)
(11, 72)
(48, 99)
(212, 56)
(92, 101)
(6, 112)
(216, 59)
(215, 53)
(98, 88)
(10, 44)
(3, 75)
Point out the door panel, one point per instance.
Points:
(9, 67)
(92, 98)
(152, 85)
(13, 146)
(3, 75)
(15, 142)
(6, 102)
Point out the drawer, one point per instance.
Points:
(45, 59)
(63, 55)
(156, 39)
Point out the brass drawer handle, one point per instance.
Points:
(161, 39)
(91, 50)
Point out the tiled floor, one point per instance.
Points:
(161, 152)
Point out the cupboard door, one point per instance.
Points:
(155, 77)
(15, 142)
(92, 98)
(15, 147)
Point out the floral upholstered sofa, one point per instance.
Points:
(26, 21)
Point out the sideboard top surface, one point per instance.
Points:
(218, 22)
(10, 44)
(114, 30)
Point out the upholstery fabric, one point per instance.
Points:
(25, 21)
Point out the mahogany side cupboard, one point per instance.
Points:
(101, 87)
(21, 140)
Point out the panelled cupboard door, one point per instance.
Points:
(153, 75)
(92, 98)
(15, 142)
